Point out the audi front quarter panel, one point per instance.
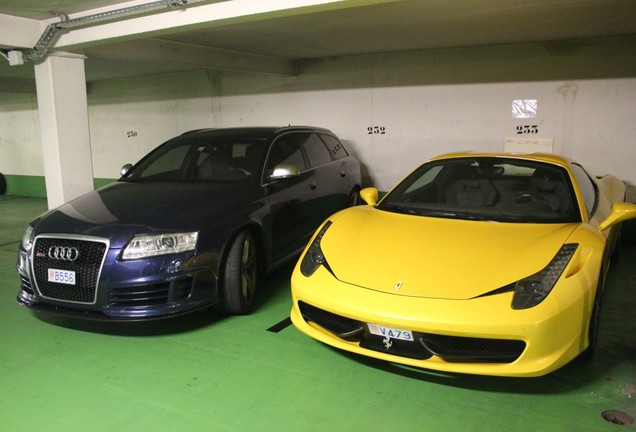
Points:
(192, 225)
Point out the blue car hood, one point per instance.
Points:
(122, 209)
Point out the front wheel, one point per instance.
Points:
(239, 277)
(616, 253)
(354, 198)
(595, 319)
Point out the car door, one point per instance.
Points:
(288, 198)
(300, 204)
(328, 181)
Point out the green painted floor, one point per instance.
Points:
(204, 373)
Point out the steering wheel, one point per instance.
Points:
(530, 197)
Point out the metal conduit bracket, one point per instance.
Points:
(18, 57)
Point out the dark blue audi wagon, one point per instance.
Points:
(192, 225)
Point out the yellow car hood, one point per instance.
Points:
(436, 257)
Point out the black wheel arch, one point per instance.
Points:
(592, 329)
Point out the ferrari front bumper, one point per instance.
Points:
(478, 336)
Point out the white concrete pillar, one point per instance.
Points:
(63, 110)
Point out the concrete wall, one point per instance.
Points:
(20, 135)
(393, 110)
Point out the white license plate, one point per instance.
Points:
(391, 333)
(62, 276)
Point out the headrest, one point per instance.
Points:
(543, 180)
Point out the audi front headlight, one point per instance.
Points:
(27, 239)
(531, 291)
(314, 257)
(142, 246)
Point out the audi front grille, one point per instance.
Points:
(67, 268)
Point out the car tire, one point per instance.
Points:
(595, 319)
(616, 253)
(354, 197)
(240, 275)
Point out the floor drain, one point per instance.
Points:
(618, 417)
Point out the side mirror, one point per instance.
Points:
(369, 195)
(621, 211)
(125, 169)
(284, 171)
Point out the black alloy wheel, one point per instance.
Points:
(240, 275)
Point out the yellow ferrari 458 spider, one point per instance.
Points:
(488, 264)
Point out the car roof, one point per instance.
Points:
(537, 157)
(263, 132)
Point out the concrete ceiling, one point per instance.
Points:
(271, 36)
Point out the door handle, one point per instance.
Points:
(343, 173)
(313, 185)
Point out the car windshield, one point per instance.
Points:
(201, 158)
(486, 188)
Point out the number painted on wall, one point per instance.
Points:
(376, 130)
(131, 134)
(527, 129)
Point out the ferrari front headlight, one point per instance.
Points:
(531, 291)
(148, 245)
(314, 257)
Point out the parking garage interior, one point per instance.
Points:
(86, 87)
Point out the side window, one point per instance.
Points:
(336, 149)
(316, 151)
(588, 189)
(286, 151)
(167, 165)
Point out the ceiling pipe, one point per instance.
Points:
(16, 57)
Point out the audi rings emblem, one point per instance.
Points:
(63, 253)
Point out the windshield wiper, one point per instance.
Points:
(450, 214)
(469, 216)
(398, 208)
